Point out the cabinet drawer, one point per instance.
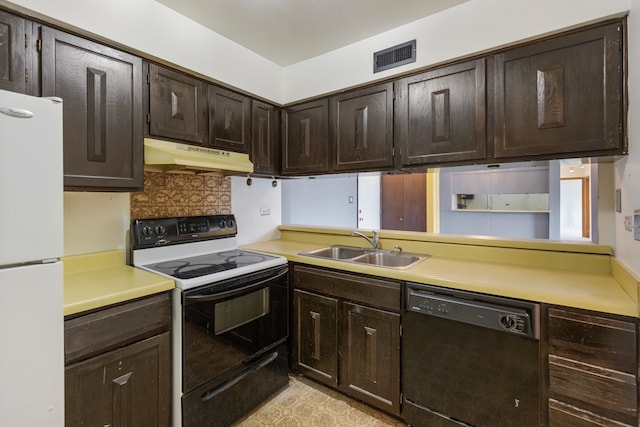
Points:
(564, 415)
(366, 290)
(603, 341)
(599, 390)
(95, 333)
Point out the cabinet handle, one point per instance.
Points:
(315, 319)
(122, 380)
(96, 115)
(372, 349)
(121, 400)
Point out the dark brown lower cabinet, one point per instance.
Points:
(121, 387)
(370, 351)
(118, 365)
(347, 334)
(317, 336)
(592, 368)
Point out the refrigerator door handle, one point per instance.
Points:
(19, 113)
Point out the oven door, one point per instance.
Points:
(228, 324)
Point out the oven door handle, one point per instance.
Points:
(235, 291)
(268, 358)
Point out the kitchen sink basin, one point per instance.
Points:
(337, 252)
(388, 259)
(374, 257)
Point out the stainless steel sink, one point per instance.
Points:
(337, 252)
(388, 259)
(374, 257)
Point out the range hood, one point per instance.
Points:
(165, 156)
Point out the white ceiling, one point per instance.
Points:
(290, 31)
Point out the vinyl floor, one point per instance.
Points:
(306, 403)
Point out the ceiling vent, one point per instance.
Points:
(395, 56)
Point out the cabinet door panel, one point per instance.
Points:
(363, 128)
(560, 96)
(610, 393)
(264, 141)
(306, 139)
(316, 329)
(12, 53)
(102, 93)
(229, 120)
(441, 115)
(177, 106)
(564, 415)
(370, 347)
(125, 387)
(592, 368)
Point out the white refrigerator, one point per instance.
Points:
(31, 276)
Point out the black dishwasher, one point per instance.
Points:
(469, 359)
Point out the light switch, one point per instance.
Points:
(265, 211)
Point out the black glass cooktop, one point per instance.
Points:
(204, 265)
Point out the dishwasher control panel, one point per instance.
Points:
(471, 309)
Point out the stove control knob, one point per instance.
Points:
(146, 231)
(230, 223)
(159, 229)
(221, 224)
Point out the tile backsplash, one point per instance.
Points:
(167, 195)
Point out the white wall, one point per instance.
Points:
(150, 27)
(469, 28)
(323, 201)
(250, 203)
(95, 222)
(627, 170)
(369, 212)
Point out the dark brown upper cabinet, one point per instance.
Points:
(102, 125)
(265, 150)
(177, 106)
(561, 95)
(362, 122)
(306, 138)
(440, 115)
(229, 120)
(13, 53)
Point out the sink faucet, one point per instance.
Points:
(374, 242)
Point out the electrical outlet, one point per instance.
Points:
(636, 224)
(628, 223)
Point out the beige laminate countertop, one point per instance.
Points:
(586, 282)
(100, 279)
